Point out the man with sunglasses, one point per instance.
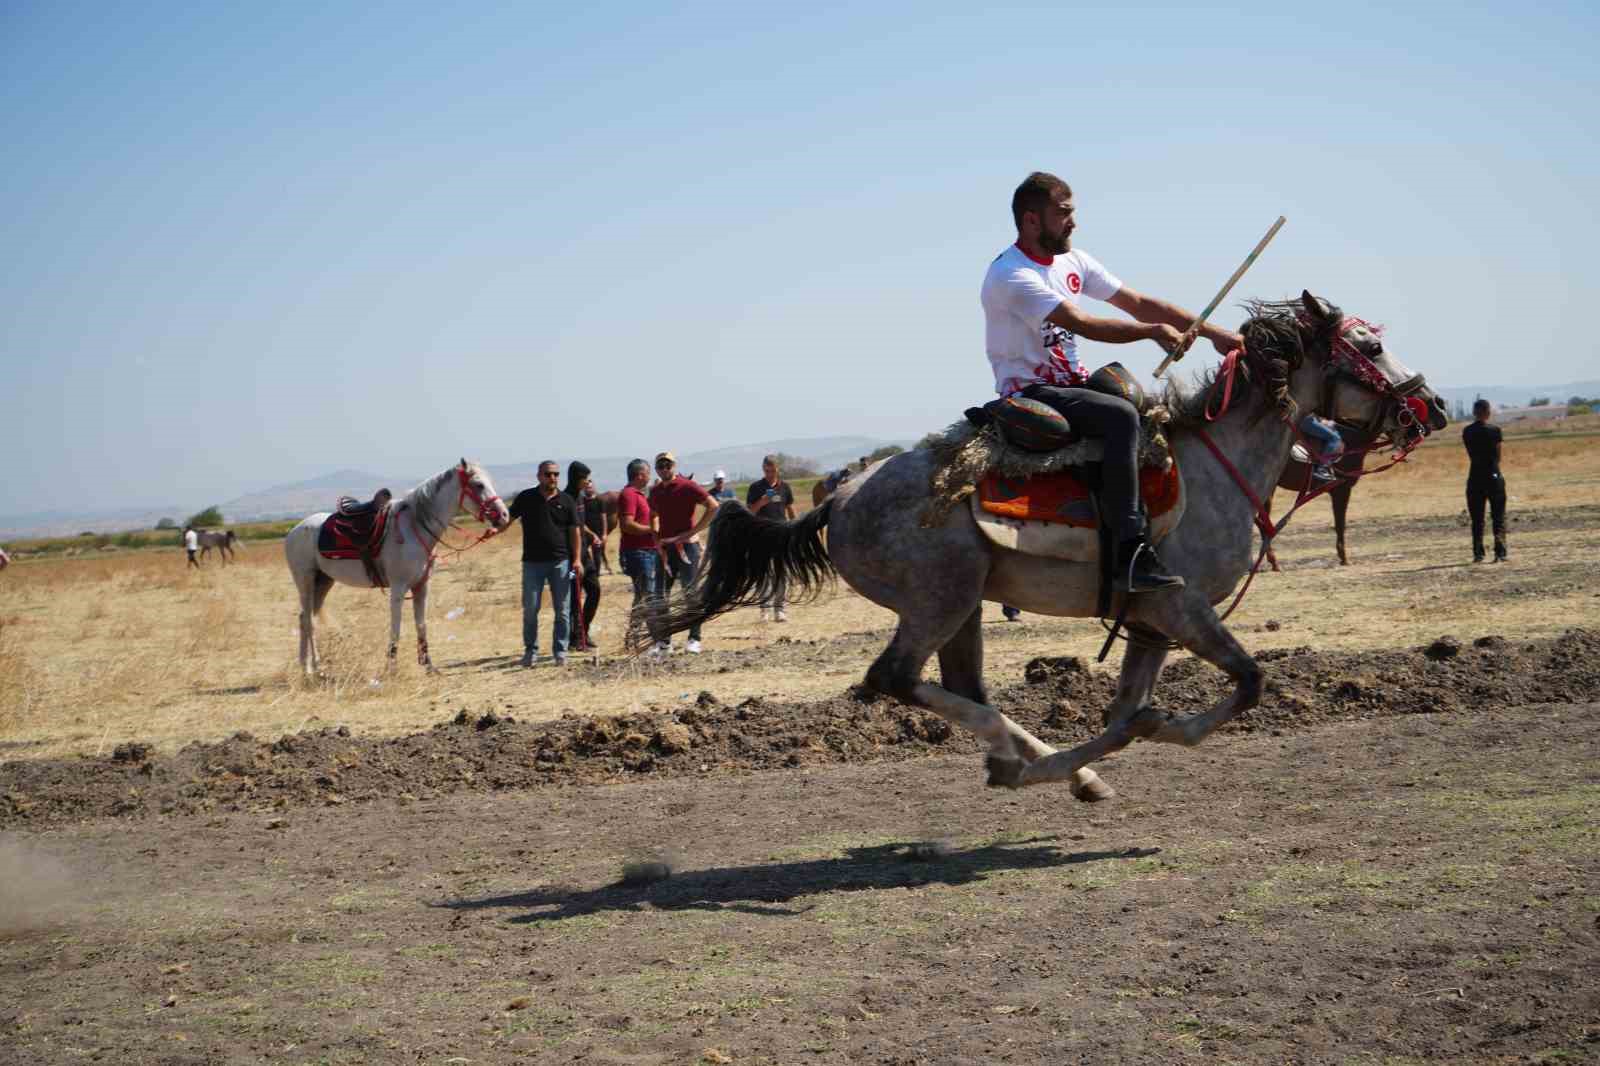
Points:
(674, 501)
(550, 556)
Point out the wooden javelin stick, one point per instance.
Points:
(1194, 330)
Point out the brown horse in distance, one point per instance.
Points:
(1348, 466)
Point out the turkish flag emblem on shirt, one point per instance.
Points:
(1074, 283)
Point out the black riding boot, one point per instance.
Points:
(1477, 547)
(1499, 547)
(1139, 570)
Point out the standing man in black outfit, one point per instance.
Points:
(589, 512)
(1484, 483)
(550, 556)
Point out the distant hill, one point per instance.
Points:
(305, 497)
(1518, 395)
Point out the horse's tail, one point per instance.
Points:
(749, 560)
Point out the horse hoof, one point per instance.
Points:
(1004, 773)
(1094, 791)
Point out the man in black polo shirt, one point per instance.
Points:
(549, 555)
(1484, 483)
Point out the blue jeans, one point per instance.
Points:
(534, 577)
(1330, 445)
(641, 565)
(680, 571)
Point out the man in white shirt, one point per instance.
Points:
(191, 544)
(1032, 323)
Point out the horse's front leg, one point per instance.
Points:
(397, 598)
(1128, 717)
(1198, 629)
(419, 613)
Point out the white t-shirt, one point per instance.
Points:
(1019, 292)
(191, 540)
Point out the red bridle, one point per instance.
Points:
(1410, 413)
(485, 503)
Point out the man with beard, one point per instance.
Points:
(1032, 324)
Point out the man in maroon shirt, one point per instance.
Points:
(636, 551)
(674, 501)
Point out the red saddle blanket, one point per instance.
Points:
(346, 536)
(1062, 497)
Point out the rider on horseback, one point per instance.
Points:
(1032, 322)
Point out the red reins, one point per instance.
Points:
(1360, 367)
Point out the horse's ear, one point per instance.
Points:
(463, 462)
(1324, 315)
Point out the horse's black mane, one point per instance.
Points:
(1276, 336)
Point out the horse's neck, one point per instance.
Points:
(1258, 442)
(436, 507)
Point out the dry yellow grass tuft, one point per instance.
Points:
(113, 646)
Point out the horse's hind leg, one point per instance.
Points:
(1340, 497)
(961, 672)
(898, 673)
(321, 585)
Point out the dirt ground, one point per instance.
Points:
(1394, 860)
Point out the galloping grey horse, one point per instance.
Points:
(936, 579)
(419, 520)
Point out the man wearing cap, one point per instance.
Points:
(674, 501)
(719, 490)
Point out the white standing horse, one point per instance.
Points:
(417, 522)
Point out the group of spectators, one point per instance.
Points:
(563, 543)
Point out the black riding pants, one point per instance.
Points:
(1112, 420)
(1492, 493)
(591, 595)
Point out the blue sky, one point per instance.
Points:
(250, 243)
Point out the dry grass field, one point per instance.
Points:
(123, 645)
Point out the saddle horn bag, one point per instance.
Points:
(1037, 427)
(1026, 424)
(1114, 379)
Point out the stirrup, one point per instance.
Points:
(1129, 580)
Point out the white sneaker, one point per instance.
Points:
(693, 647)
(654, 653)
(783, 616)
(664, 647)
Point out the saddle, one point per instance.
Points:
(1056, 515)
(356, 530)
(1037, 495)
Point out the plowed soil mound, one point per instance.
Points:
(1060, 700)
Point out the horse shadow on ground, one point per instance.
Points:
(765, 888)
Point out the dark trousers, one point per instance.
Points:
(591, 597)
(1113, 420)
(1492, 493)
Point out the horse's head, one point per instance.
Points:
(479, 490)
(1364, 386)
